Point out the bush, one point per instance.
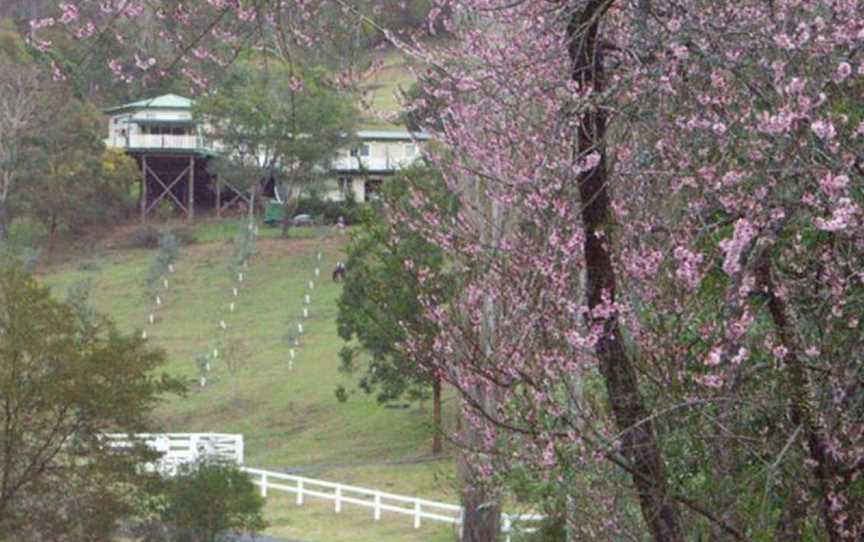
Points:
(26, 232)
(207, 501)
(328, 212)
(26, 256)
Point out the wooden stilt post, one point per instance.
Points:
(144, 188)
(191, 205)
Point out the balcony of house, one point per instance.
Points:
(156, 141)
(372, 164)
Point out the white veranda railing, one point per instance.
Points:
(378, 501)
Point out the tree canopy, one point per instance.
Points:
(71, 179)
(276, 122)
(380, 306)
(67, 377)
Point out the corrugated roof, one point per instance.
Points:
(391, 135)
(161, 122)
(166, 101)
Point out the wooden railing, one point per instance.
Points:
(378, 501)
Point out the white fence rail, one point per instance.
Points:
(180, 448)
(378, 501)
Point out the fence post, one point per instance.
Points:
(263, 484)
(377, 506)
(299, 492)
(506, 526)
(416, 514)
(338, 499)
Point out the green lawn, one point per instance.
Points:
(290, 419)
(316, 520)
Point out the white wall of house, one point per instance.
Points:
(382, 150)
(377, 155)
(334, 189)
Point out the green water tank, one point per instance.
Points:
(274, 212)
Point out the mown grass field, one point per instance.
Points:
(291, 419)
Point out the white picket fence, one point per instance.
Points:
(181, 448)
(378, 501)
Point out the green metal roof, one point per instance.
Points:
(162, 122)
(166, 101)
(391, 135)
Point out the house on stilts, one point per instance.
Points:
(172, 153)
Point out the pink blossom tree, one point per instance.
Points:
(681, 182)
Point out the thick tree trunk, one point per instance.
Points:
(482, 503)
(482, 519)
(638, 442)
(437, 424)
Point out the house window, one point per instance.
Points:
(372, 187)
(411, 150)
(362, 150)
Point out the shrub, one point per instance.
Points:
(26, 256)
(328, 212)
(26, 232)
(208, 501)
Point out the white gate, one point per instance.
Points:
(181, 448)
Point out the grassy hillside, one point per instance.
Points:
(291, 419)
(382, 86)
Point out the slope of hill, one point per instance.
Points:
(381, 88)
(290, 418)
